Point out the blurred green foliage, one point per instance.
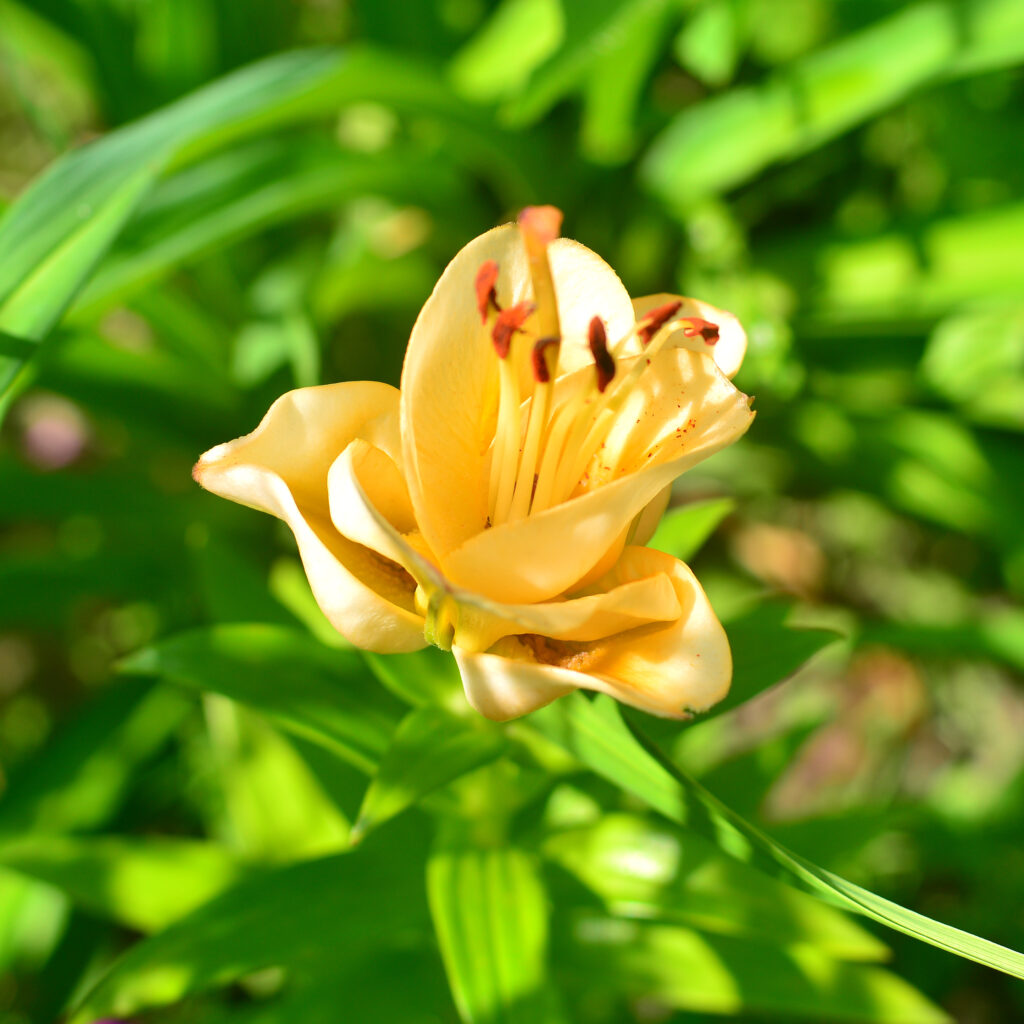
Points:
(212, 811)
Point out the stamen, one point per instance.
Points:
(655, 320)
(539, 357)
(505, 450)
(563, 419)
(509, 321)
(603, 361)
(705, 328)
(486, 294)
(591, 431)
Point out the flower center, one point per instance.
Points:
(544, 440)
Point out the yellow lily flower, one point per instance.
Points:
(497, 504)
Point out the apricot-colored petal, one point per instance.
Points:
(670, 669)
(363, 483)
(586, 287)
(449, 379)
(647, 521)
(281, 468)
(727, 351)
(619, 601)
(664, 415)
(543, 555)
(448, 392)
(501, 688)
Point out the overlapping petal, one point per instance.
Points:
(670, 669)
(623, 599)
(281, 468)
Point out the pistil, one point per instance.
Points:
(539, 227)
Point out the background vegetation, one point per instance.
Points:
(185, 745)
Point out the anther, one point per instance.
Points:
(603, 361)
(541, 366)
(509, 321)
(486, 295)
(655, 320)
(707, 330)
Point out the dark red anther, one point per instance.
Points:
(655, 319)
(509, 321)
(603, 361)
(541, 368)
(705, 328)
(486, 295)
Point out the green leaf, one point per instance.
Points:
(687, 970)
(645, 870)
(765, 651)
(248, 189)
(78, 780)
(728, 139)
(490, 913)
(319, 694)
(145, 884)
(595, 733)
(498, 60)
(55, 233)
(311, 918)
(976, 359)
(593, 28)
(274, 806)
(430, 748)
(42, 295)
(615, 84)
(683, 531)
(422, 677)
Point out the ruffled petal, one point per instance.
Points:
(546, 554)
(281, 468)
(449, 379)
(731, 346)
(619, 601)
(668, 669)
(362, 484)
(501, 688)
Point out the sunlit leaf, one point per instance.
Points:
(429, 748)
(306, 917)
(490, 912)
(823, 94)
(319, 694)
(79, 779)
(683, 530)
(642, 869)
(142, 883)
(596, 734)
(688, 970)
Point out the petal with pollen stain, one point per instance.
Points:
(669, 669)
(727, 351)
(546, 554)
